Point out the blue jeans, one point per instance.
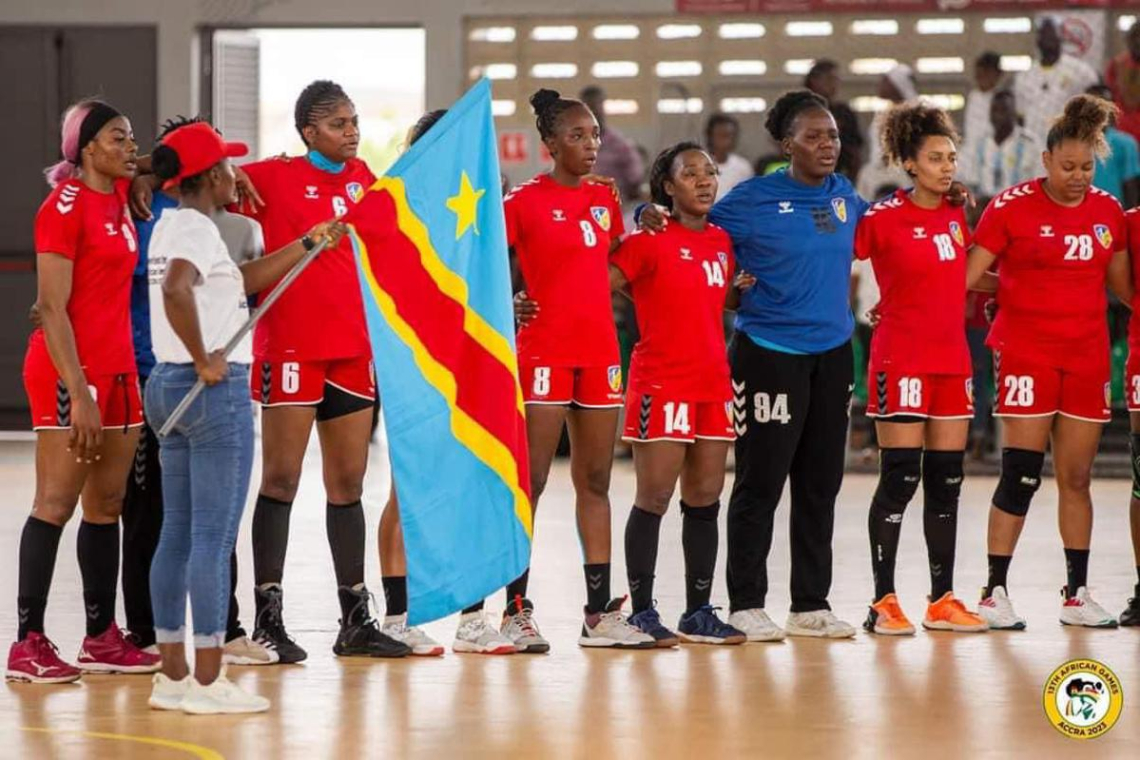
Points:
(206, 462)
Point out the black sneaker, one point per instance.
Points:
(359, 635)
(1131, 614)
(269, 628)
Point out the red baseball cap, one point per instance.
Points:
(199, 147)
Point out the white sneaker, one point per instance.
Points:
(222, 696)
(518, 625)
(1081, 609)
(422, 645)
(997, 610)
(818, 624)
(245, 651)
(475, 636)
(756, 625)
(611, 629)
(167, 694)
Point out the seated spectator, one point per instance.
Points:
(721, 134)
(1123, 76)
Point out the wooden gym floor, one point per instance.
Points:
(940, 695)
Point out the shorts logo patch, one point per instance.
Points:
(266, 381)
(1103, 235)
(643, 417)
(355, 191)
(614, 377)
(970, 389)
(62, 405)
(839, 206)
(881, 391)
(601, 215)
(956, 233)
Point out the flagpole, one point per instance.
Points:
(258, 313)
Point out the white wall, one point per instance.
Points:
(178, 22)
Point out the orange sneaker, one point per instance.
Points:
(949, 614)
(886, 617)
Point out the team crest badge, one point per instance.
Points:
(355, 191)
(1108, 394)
(723, 257)
(728, 411)
(956, 233)
(970, 390)
(601, 215)
(614, 376)
(839, 206)
(1103, 235)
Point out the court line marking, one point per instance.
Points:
(203, 753)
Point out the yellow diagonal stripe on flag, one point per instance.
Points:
(449, 282)
(486, 447)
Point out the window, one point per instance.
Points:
(940, 65)
(808, 29)
(679, 68)
(554, 70)
(493, 34)
(620, 106)
(503, 107)
(1018, 25)
(872, 66)
(614, 69)
(741, 31)
(798, 66)
(1016, 63)
(884, 27)
(616, 32)
(742, 68)
(940, 26)
(869, 104)
(743, 105)
(495, 71)
(680, 105)
(678, 31)
(554, 33)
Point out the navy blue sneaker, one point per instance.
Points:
(702, 626)
(649, 622)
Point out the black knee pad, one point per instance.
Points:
(900, 471)
(1020, 479)
(1135, 441)
(942, 480)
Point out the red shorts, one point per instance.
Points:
(118, 396)
(587, 387)
(1027, 389)
(303, 383)
(912, 394)
(663, 418)
(1132, 379)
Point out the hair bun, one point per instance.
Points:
(544, 99)
(165, 162)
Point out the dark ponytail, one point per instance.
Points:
(548, 107)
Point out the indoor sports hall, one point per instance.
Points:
(264, 455)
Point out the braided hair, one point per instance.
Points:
(315, 102)
(426, 122)
(548, 107)
(907, 125)
(165, 162)
(785, 110)
(662, 171)
(1085, 119)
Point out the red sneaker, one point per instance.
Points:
(112, 652)
(36, 660)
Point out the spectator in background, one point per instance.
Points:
(1123, 76)
(721, 134)
(896, 86)
(1043, 90)
(1009, 154)
(987, 77)
(617, 156)
(823, 80)
(977, 328)
(1118, 172)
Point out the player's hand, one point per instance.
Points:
(874, 316)
(525, 309)
(86, 437)
(34, 316)
(333, 230)
(960, 195)
(654, 218)
(214, 369)
(610, 182)
(141, 194)
(248, 197)
(743, 281)
(991, 310)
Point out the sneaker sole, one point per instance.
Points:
(1103, 624)
(943, 625)
(464, 647)
(373, 654)
(426, 651)
(193, 709)
(600, 643)
(127, 670)
(767, 637)
(1130, 623)
(542, 648)
(158, 704)
(811, 634)
(890, 631)
(692, 639)
(242, 661)
(22, 677)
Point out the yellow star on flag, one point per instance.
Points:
(464, 204)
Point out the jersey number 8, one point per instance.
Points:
(589, 237)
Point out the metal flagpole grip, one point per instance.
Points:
(270, 299)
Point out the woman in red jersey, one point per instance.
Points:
(82, 386)
(562, 229)
(1057, 241)
(1131, 614)
(678, 413)
(921, 395)
(313, 363)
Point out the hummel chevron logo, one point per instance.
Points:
(703, 584)
(740, 428)
(23, 613)
(635, 584)
(93, 611)
(738, 387)
(594, 581)
(66, 200)
(1021, 191)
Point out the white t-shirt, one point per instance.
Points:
(990, 168)
(219, 292)
(732, 172)
(1042, 92)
